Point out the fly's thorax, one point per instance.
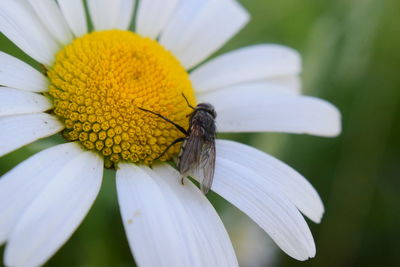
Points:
(206, 121)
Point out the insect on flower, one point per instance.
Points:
(93, 75)
(197, 154)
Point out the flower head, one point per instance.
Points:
(93, 91)
(99, 81)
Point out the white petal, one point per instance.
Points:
(153, 15)
(276, 173)
(211, 237)
(56, 212)
(50, 15)
(175, 222)
(200, 27)
(21, 25)
(17, 74)
(74, 14)
(260, 88)
(107, 14)
(290, 83)
(20, 186)
(266, 205)
(249, 110)
(14, 101)
(103, 13)
(125, 14)
(247, 64)
(19, 130)
(148, 221)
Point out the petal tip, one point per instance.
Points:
(335, 128)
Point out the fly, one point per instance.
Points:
(197, 154)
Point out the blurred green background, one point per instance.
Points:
(351, 58)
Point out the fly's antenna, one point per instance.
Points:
(187, 101)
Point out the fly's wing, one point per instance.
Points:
(198, 157)
(191, 151)
(207, 165)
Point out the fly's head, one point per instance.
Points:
(207, 108)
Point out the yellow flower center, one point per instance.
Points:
(100, 81)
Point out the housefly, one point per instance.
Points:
(197, 153)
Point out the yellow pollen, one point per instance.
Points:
(99, 82)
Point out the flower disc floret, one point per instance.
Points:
(100, 81)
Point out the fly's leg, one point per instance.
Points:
(177, 126)
(169, 146)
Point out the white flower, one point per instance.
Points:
(45, 198)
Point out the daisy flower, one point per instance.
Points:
(91, 90)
